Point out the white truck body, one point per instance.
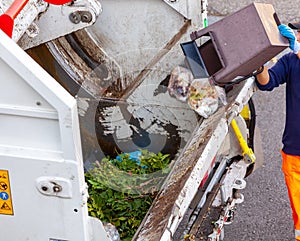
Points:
(42, 145)
(35, 108)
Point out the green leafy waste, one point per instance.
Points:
(122, 191)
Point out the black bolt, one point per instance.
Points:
(75, 17)
(44, 188)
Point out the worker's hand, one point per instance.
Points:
(287, 32)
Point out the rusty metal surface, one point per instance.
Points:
(161, 210)
(110, 124)
(158, 219)
(95, 73)
(205, 214)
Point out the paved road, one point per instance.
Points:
(265, 215)
(287, 10)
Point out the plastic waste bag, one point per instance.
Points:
(179, 83)
(203, 97)
(112, 231)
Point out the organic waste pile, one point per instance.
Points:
(122, 189)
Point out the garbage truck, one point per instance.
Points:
(85, 79)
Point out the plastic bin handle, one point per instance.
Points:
(276, 19)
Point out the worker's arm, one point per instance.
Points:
(268, 79)
(263, 77)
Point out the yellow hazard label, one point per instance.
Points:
(5, 194)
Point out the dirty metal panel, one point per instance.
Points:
(112, 57)
(149, 118)
(190, 167)
(178, 191)
(188, 8)
(110, 122)
(134, 46)
(25, 18)
(46, 27)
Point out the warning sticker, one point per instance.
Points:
(5, 194)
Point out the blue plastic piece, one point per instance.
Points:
(134, 156)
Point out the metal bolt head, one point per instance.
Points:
(44, 188)
(238, 182)
(57, 188)
(237, 195)
(86, 17)
(75, 17)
